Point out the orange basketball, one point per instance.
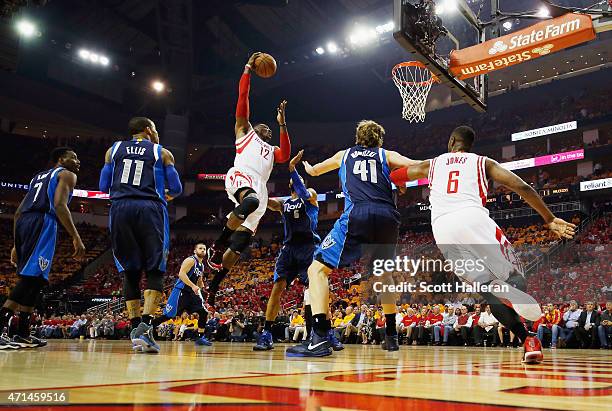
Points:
(265, 65)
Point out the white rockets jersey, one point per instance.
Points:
(254, 155)
(457, 181)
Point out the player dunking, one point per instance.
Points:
(35, 234)
(463, 229)
(300, 214)
(135, 175)
(186, 295)
(370, 217)
(245, 183)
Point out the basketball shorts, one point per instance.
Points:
(236, 180)
(293, 262)
(182, 299)
(35, 237)
(375, 226)
(140, 234)
(469, 234)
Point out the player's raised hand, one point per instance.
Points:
(79, 248)
(295, 160)
(562, 228)
(251, 61)
(308, 168)
(14, 256)
(280, 113)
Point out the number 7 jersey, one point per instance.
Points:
(457, 181)
(138, 170)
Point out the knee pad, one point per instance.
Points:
(131, 285)
(155, 280)
(249, 204)
(240, 240)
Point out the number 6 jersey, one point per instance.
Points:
(457, 181)
(138, 170)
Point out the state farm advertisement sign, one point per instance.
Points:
(523, 45)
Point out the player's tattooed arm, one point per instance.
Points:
(243, 126)
(275, 205)
(332, 163)
(66, 183)
(507, 178)
(187, 265)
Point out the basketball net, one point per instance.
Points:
(413, 81)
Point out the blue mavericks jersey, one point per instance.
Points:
(365, 178)
(300, 220)
(41, 192)
(194, 274)
(138, 170)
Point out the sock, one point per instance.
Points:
(213, 287)
(224, 239)
(321, 324)
(390, 329)
(268, 325)
(5, 316)
(506, 316)
(308, 320)
(134, 322)
(24, 324)
(156, 322)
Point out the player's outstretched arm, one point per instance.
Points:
(296, 181)
(186, 266)
(282, 153)
(332, 163)
(173, 181)
(66, 183)
(507, 178)
(275, 205)
(243, 126)
(106, 174)
(414, 171)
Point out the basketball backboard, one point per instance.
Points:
(430, 30)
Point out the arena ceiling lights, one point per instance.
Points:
(360, 36)
(26, 29)
(93, 57)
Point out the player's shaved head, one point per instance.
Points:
(138, 125)
(369, 134)
(461, 139)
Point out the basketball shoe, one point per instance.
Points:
(214, 258)
(264, 342)
(334, 341)
(533, 350)
(203, 341)
(24, 342)
(317, 346)
(7, 344)
(143, 336)
(390, 343)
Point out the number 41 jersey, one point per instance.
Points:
(364, 175)
(457, 181)
(138, 170)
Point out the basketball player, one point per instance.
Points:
(245, 183)
(370, 217)
(186, 296)
(463, 229)
(300, 214)
(135, 175)
(35, 234)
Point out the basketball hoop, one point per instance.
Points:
(413, 81)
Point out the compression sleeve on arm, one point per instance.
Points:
(281, 155)
(174, 181)
(242, 108)
(399, 177)
(106, 175)
(299, 187)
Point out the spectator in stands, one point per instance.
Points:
(108, 326)
(212, 325)
(434, 323)
(570, 318)
(549, 324)
(422, 328)
(381, 323)
(77, 327)
(586, 331)
(356, 323)
(236, 328)
(463, 325)
(296, 326)
(95, 328)
(409, 321)
(449, 318)
(605, 326)
(486, 327)
(348, 317)
(367, 327)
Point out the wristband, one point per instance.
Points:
(282, 125)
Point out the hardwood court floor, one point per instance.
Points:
(105, 375)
